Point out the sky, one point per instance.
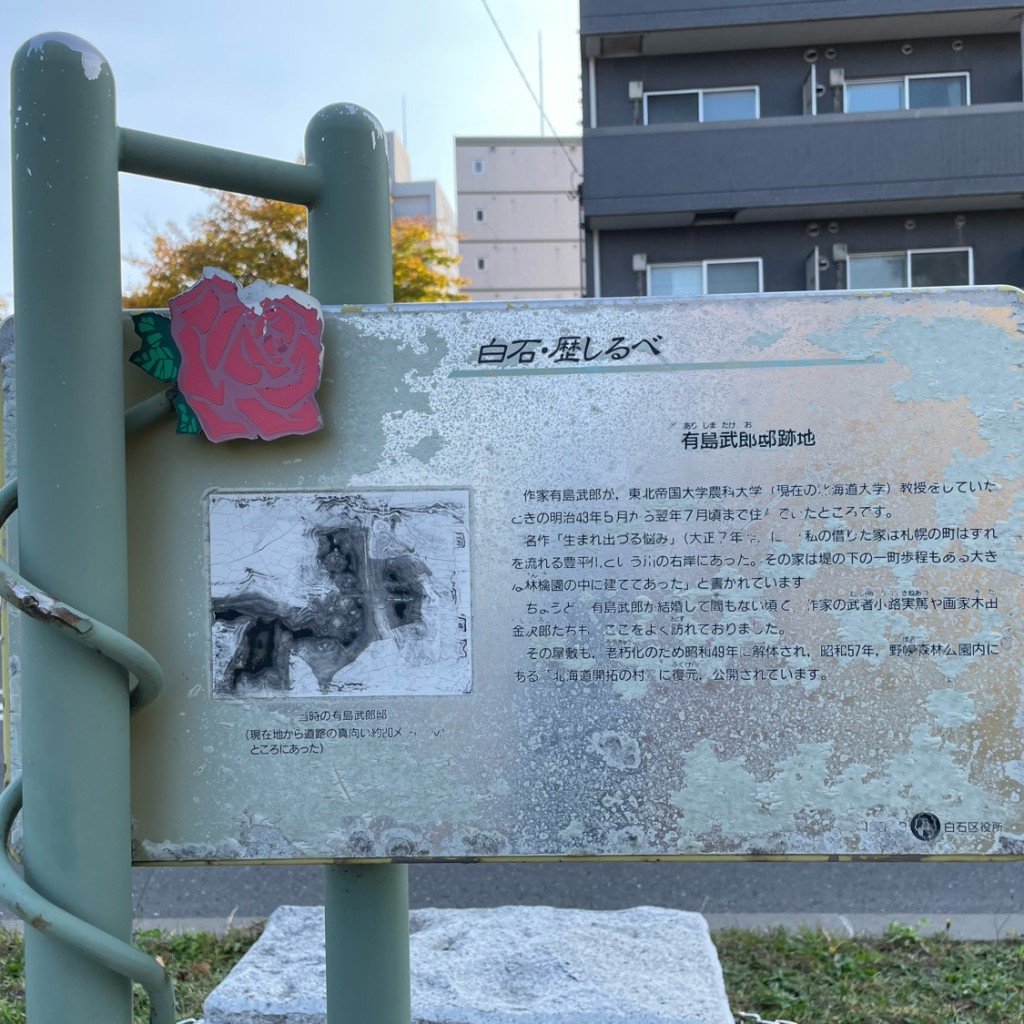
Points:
(249, 76)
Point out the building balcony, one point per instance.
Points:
(806, 167)
(612, 28)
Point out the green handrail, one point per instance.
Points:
(29, 905)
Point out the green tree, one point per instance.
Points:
(421, 266)
(259, 238)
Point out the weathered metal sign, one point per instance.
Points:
(695, 578)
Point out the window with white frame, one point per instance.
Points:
(478, 167)
(698, 105)
(914, 268)
(478, 216)
(706, 277)
(907, 92)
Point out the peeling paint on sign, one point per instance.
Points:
(745, 580)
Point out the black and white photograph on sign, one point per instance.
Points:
(321, 594)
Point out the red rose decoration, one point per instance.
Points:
(250, 357)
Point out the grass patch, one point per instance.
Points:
(197, 961)
(807, 976)
(899, 978)
(12, 978)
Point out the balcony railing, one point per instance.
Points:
(777, 168)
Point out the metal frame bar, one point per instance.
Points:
(76, 820)
(156, 156)
(68, 151)
(366, 907)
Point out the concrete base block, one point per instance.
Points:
(509, 965)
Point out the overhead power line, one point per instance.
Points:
(529, 88)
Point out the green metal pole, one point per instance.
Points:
(76, 819)
(350, 222)
(366, 907)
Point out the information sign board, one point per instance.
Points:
(622, 578)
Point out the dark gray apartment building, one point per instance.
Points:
(737, 145)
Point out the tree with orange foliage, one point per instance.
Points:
(260, 238)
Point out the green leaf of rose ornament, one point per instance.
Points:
(245, 362)
(158, 355)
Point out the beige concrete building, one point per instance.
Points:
(518, 215)
(424, 198)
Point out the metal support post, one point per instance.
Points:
(350, 221)
(76, 820)
(366, 907)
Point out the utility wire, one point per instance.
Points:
(526, 82)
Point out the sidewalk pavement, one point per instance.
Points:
(985, 927)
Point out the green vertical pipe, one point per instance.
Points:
(366, 917)
(366, 907)
(76, 819)
(350, 223)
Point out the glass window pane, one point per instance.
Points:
(934, 269)
(730, 105)
(680, 279)
(874, 96)
(672, 108)
(938, 92)
(878, 271)
(731, 278)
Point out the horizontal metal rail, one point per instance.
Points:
(157, 156)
